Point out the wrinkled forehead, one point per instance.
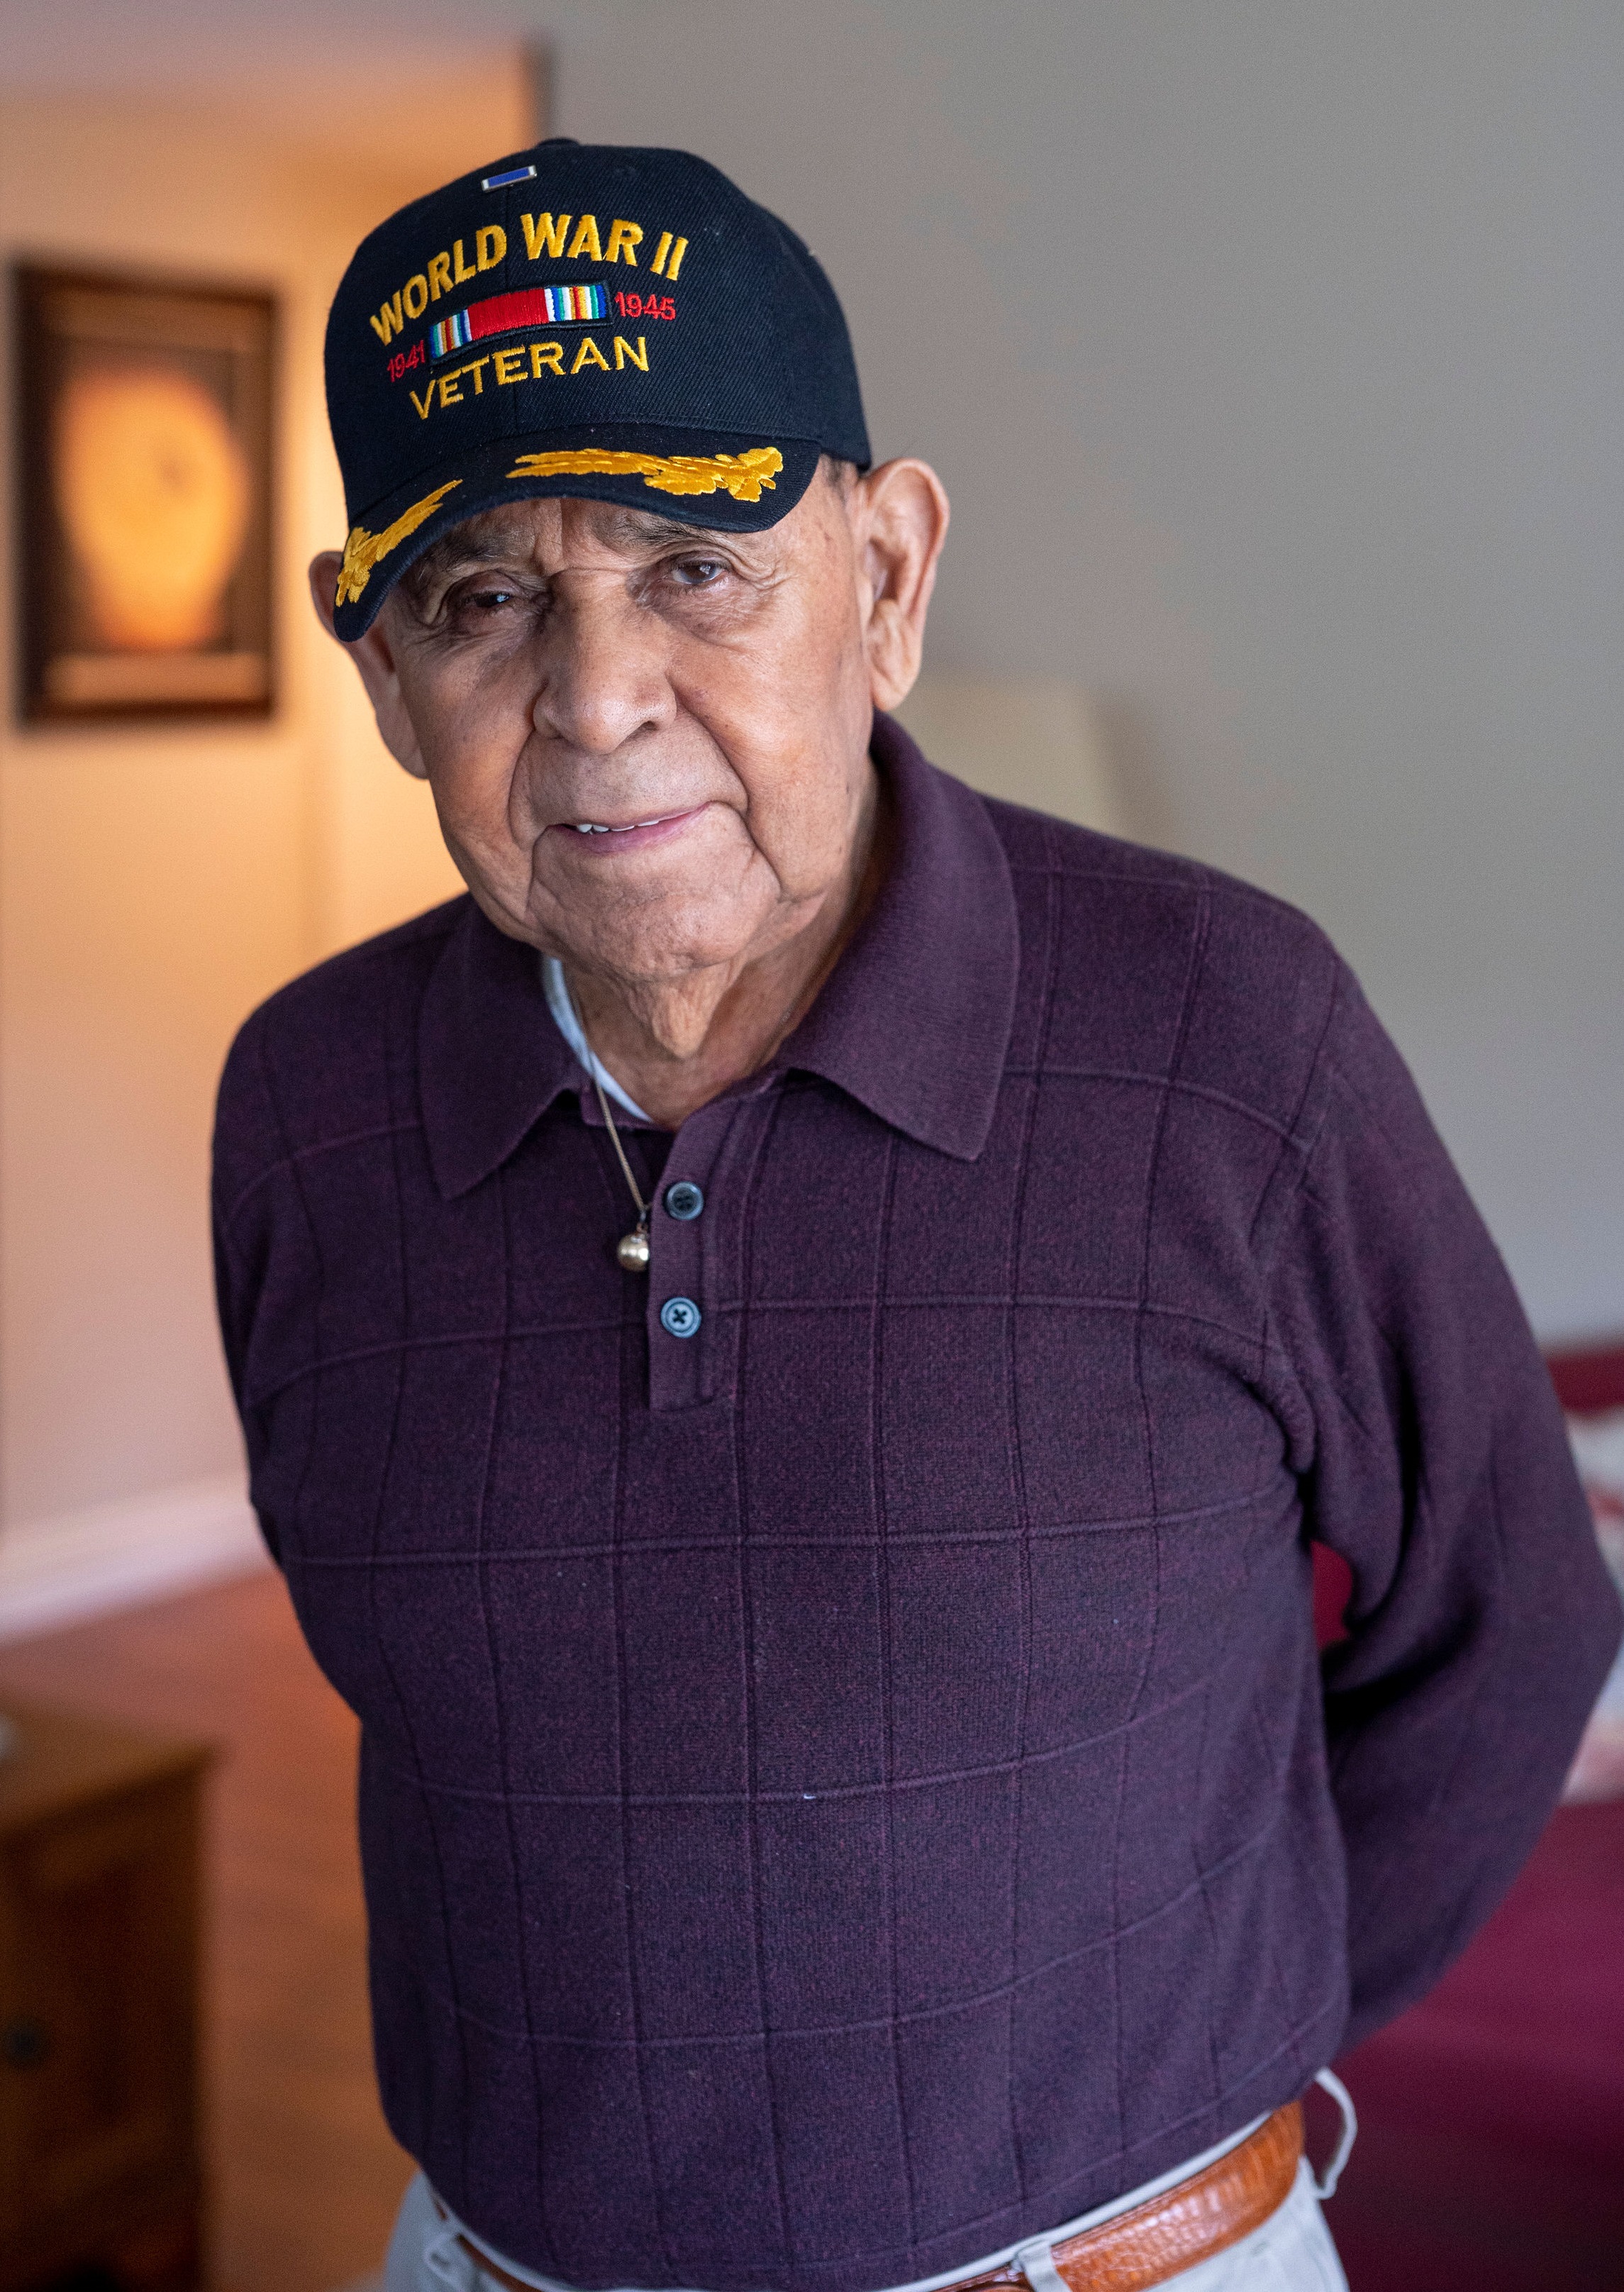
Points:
(540, 530)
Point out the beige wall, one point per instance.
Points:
(155, 884)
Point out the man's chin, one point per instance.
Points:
(655, 963)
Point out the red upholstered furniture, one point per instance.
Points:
(1491, 2156)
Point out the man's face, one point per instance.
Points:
(647, 744)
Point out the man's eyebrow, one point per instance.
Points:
(473, 547)
(443, 558)
(477, 549)
(649, 525)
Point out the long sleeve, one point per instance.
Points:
(1481, 1622)
(239, 1160)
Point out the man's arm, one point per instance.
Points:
(1482, 1621)
(243, 1118)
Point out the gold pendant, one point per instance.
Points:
(632, 1250)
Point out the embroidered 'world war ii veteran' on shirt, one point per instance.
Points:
(624, 325)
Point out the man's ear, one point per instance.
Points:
(374, 658)
(900, 514)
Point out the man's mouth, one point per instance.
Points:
(631, 833)
(604, 828)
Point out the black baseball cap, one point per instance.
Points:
(585, 320)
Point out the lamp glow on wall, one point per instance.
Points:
(1032, 740)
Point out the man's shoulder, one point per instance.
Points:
(1164, 964)
(330, 1053)
(314, 1017)
(1037, 845)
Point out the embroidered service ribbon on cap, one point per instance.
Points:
(363, 550)
(742, 475)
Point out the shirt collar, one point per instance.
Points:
(914, 1021)
(915, 1018)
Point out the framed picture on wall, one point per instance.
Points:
(143, 420)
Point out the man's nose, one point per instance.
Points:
(604, 671)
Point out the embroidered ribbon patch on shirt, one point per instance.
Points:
(363, 550)
(529, 306)
(742, 475)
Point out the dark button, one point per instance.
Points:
(684, 1200)
(680, 1317)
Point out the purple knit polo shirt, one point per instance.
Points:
(853, 1786)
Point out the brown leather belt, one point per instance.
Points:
(1191, 2221)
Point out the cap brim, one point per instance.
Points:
(726, 484)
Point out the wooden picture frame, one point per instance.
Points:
(144, 416)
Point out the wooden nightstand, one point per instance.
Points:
(99, 1976)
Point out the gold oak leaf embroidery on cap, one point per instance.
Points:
(742, 475)
(363, 550)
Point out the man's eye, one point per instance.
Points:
(697, 572)
(476, 600)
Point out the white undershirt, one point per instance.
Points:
(561, 1003)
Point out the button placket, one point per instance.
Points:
(679, 1302)
(701, 1257)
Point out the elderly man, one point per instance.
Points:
(792, 1347)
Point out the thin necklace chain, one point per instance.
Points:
(620, 1151)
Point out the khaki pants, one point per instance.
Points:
(1290, 2252)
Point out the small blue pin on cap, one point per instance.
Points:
(584, 320)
